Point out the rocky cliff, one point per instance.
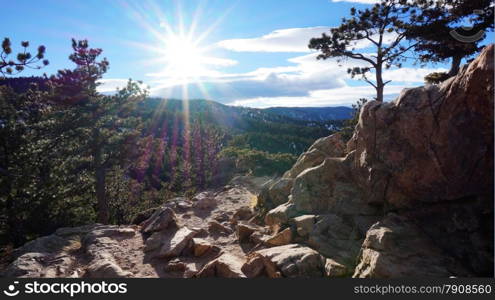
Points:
(411, 194)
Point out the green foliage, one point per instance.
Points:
(35, 193)
(259, 163)
(92, 132)
(433, 25)
(436, 77)
(63, 150)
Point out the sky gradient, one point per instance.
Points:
(253, 53)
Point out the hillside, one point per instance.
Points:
(246, 127)
(377, 207)
(317, 114)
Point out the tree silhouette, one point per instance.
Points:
(95, 132)
(439, 34)
(383, 26)
(24, 58)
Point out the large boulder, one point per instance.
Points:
(327, 187)
(291, 260)
(55, 255)
(433, 143)
(336, 237)
(281, 214)
(395, 247)
(276, 192)
(304, 224)
(330, 146)
(225, 266)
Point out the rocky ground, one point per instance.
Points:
(410, 195)
(216, 233)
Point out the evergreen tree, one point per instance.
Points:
(94, 132)
(449, 30)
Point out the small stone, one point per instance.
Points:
(304, 224)
(175, 245)
(215, 227)
(334, 269)
(204, 200)
(175, 265)
(244, 231)
(226, 266)
(254, 267)
(282, 238)
(161, 219)
(153, 242)
(201, 247)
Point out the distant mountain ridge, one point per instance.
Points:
(260, 129)
(318, 114)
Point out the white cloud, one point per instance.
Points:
(346, 96)
(307, 74)
(304, 81)
(282, 40)
(291, 40)
(409, 75)
(308, 82)
(219, 62)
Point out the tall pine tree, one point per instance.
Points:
(93, 132)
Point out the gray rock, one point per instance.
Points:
(291, 260)
(160, 220)
(174, 245)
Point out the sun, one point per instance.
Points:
(178, 55)
(183, 58)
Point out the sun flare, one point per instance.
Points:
(183, 58)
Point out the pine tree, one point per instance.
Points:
(438, 31)
(383, 26)
(94, 132)
(24, 59)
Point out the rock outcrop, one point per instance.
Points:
(415, 180)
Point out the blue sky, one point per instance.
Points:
(245, 52)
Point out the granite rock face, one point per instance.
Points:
(427, 159)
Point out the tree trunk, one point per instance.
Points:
(379, 83)
(454, 68)
(103, 208)
(100, 184)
